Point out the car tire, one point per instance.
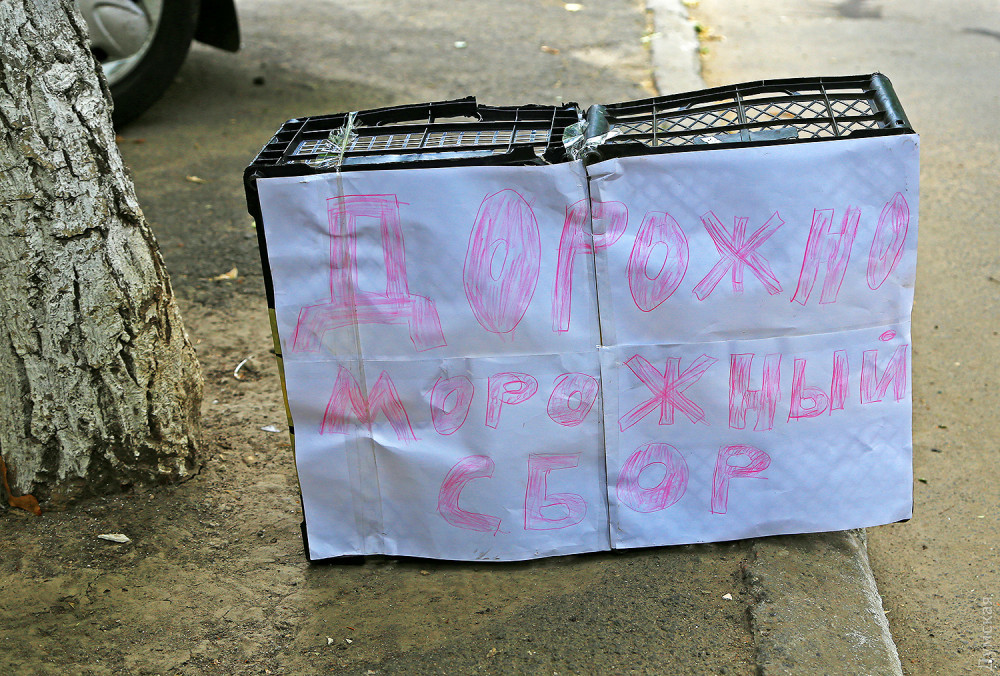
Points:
(154, 70)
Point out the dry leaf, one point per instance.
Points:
(26, 502)
(120, 538)
(225, 276)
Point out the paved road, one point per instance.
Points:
(332, 56)
(329, 56)
(601, 613)
(937, 573)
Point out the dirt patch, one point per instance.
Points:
(215, 581)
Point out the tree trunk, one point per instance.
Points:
(99, 384)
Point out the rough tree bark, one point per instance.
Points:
(99, 384)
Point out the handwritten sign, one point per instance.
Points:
(504, 363)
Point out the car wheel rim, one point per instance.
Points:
(121, 32)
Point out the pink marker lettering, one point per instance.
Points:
(807, 401)
(537, 498)
(348, 305)
(763, 401)
(670, 488)
(873, 388)
(737, 252)
(651, 285)
(450, 402)
(507, 388)
(576, 240)
(838, 381)
(724, 471)
(464, 471)
(890, 235)
(347, 397)
(502, 261)
(829, 246)
(668, 390)
(572, 398)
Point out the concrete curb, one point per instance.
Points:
(816, 608)
(676, 62)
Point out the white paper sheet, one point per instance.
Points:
(458, 391)
(437, 412)
(804, 443)
(756, 356)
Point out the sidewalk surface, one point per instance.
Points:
(215, 581)
(813, 606)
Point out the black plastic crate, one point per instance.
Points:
(443, 132)
(462, 132)
(769, 111)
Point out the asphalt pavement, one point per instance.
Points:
(939, 573)
(814, 605)
(805, 604)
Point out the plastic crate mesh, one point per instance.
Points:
(462, 131)
(808, 108)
